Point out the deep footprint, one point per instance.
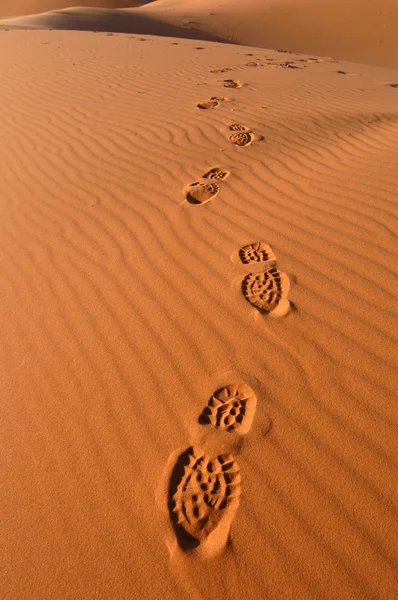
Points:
(232, 83)
(203, 494)
(216, 173)
(201, 193)
(232, 408)
(266, 290)
(256, 252)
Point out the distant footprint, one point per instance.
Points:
(203, 496)
(288, 64)
(393, 85)
(209, 104)
(212, 103)
(232, 408)
(216, 173)
(232, 83)
(256, 252)
(221, 70)
(252, 64)
(201, 193)
(267, 291)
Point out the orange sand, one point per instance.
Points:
(122, 312)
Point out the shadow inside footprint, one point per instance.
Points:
(185, 540)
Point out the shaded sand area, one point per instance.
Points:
(364, 32)
(130, 293)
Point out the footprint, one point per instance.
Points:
(203, 496)
(289, 65)
(393, 85)
(256, 252)
(216, 173)
(242, 138)
(209, 104)
(231, 408)
(201, 193)
(232, 83)
(267, 291)
(252, 64)
(219, 98)
(221, 70)
(238, 127)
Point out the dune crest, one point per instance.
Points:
(337, 28)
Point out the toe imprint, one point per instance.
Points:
(266, 290)
(242, 138)
(216, 173)
(238, 127)
(200, 193)
(202, 492)
(218, 98)
(256, 252)
(207, 105)
(231, 408)
(232, 83)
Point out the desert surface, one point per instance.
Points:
(198, 258)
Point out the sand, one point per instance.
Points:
(14, 8)
(364, 32)
(123, 311)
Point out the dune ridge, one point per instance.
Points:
(123, 313)
(338, 28)
(16, 8)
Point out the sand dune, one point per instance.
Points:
(365, 33)
(123, 310)
(13, 8)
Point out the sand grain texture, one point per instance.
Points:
(122, 313)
